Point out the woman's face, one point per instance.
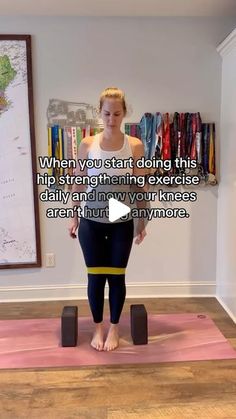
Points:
(112, 113)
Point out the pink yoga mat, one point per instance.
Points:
(171, 337)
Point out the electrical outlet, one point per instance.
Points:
(50, 260)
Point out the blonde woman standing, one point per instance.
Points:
(106, 245)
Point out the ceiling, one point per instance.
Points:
(220, 8)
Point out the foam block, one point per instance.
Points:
(139, 324)
(69, 326)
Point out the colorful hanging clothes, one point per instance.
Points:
(166, 149)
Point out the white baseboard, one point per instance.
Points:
(225, 307)
(133, 290)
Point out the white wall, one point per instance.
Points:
(226, 233)
(163, 64)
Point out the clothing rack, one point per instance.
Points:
(179, 135)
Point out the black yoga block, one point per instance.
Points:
(69, 326)
(139, 324)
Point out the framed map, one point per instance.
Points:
(19, 215)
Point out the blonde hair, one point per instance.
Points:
(114, 93)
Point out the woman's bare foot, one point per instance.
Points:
(97, 341)
(112, 340)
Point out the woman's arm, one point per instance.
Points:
(138, 153)
(82, 154)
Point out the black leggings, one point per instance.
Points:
(106, 248)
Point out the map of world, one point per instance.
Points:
(17, 220)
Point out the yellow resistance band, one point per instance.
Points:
(106, 270)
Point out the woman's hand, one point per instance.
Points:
(141, 232)
(74, 223)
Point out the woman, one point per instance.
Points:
(106, 246)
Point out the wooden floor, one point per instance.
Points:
(191, 390)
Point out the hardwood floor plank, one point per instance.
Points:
(59, 413)
(191, 411)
